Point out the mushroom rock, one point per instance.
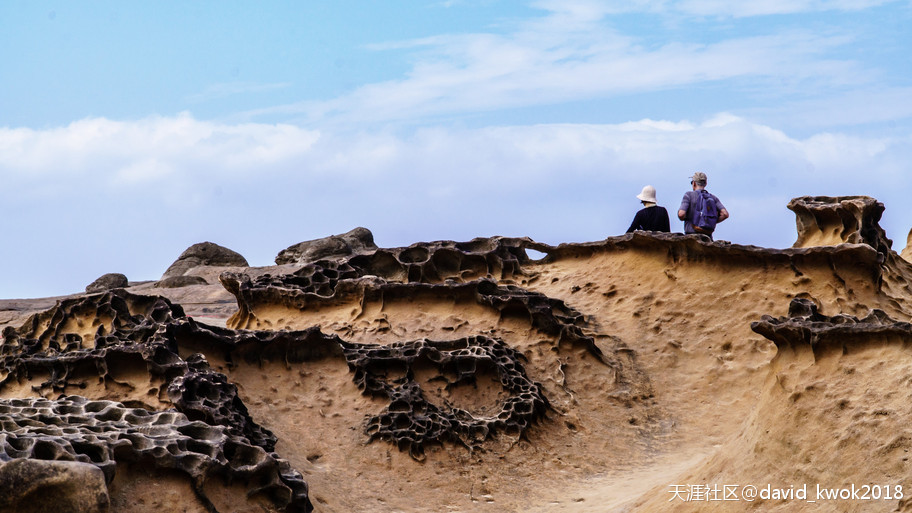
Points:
(828, 221)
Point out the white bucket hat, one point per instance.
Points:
(648, 194)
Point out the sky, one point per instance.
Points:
(131, 130)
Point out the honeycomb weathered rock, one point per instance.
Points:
(825, 220)
(104, 432)
(805, 326)
(411, 421)
(208, 434)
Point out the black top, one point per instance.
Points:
(652, 219)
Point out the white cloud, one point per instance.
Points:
(727, 8)
(747, 8)
(574, 53)
(487, 72)
(128, 197)
(114, 153)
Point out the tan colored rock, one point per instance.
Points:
(411, 379)
(827, 221)
(907, 251)
(39, 486)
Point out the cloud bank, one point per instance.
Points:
(113, 196)
(579, 50)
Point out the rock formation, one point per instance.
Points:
(107, 282)
(36, 485)
(466, 376)
(907, 251)
(354, 242)
(203, 254)
(174, 282)
(805, 326)
(189, 419)
(825, 220)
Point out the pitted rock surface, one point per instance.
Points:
(549, 315)
(210, 432)
(204, 254)
(825, 220)
(804, 326)
(460, 271)
(357, 241)
(103, 432)
(435, 262)
(427, 262)
(411, 421)
(446, 268)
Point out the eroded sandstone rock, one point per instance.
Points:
(107, 282)
(354, 242)
(907, 251)
(445, 268)
(805, 326)
(449, 271)
(174, 282)
(39, 485)
(208, 434)
(204, 254)
(411, 421)
(827, 221)
(194, 420)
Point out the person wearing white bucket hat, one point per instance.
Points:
(651, 217)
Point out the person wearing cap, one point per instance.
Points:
(698, 183)
(651, 217)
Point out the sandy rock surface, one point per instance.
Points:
(646, 372)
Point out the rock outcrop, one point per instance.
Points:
(804, 326)
(107, 282)
(468, 376)
(826, 221)
(355, 242)
(411, 421)
(201, 255)
(463, 272)
(907, 251)
(174, 282)
(190, 419)
(30, 485)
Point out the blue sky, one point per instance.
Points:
(129, 131)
